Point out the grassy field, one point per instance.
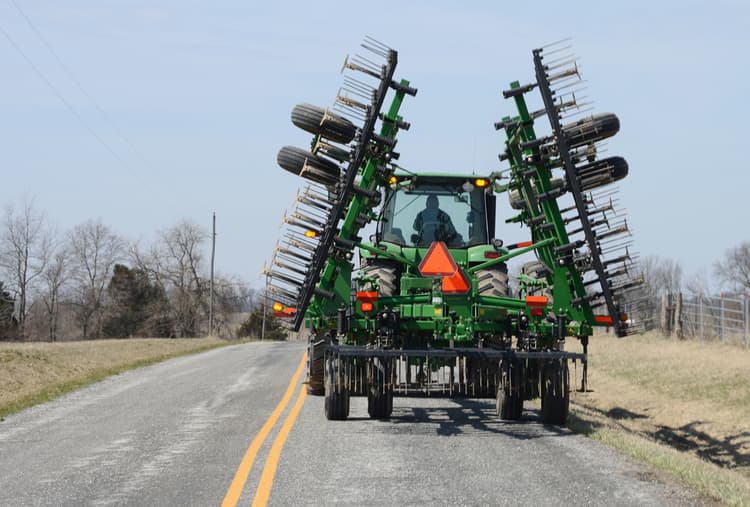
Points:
(32, 373)
(683, 407)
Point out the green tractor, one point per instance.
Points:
(430, 309)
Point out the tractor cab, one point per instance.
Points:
(421, 209)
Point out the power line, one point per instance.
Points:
(67, 104)
(73, 78)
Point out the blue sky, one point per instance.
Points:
(197, 97)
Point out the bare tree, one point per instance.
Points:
(734, 268)
(661, 276)
(26, 245)
(179, 263)
(94, 250)
(54, 277)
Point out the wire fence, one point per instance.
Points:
(724, 317)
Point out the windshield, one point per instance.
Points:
(435, 212)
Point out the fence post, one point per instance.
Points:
(700, 314)
(746, 318)
(664, 317)
(722, 335)
(678, 316)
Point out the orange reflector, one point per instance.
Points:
(366, 306)
(367, 296)
(481, 182)
(603, 319)
(455, 284)
(536, 301)
(311, 234)
(277, 307)
(438, 261)
(280, 315)
(289, 311)
(537, 311)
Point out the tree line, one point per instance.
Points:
(91, 282)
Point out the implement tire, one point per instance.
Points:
(319, 121)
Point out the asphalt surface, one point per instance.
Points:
(174, 434)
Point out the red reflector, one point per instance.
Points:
(281, 315)
(367, 296)
(603, 319)
(366, 307)
(536, 301)
(438, 261)
(491, 255)
(537, 312)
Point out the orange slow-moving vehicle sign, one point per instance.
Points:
(439, 262)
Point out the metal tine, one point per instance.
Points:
(556, 64)
(315, 191)
(568, 74)
(378, 67)
(376, 50)
(606, 249)
(372, 40)
(573, 83)
(351, 102)
(284, 277)
(291, 256)
(281, 292)
(296, 241)
(303, 199)
(303, 205)
(567, 56)
(316, 221)
(356, 83)
(555, 43)
(348, 112)
(285, 263)
(603, 194)
(353, 65)
(357, 93)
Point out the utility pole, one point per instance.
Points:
(211, 291)
(265, 301)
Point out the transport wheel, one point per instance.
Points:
(493, 281)
(336, 401)
(386, 273)
(316, 367)
(514, 196)
(380, 390)
(555, 393)
(602, 172)
(318, 120)
(319, 169)
(591, 129)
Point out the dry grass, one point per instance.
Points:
(32, 373)
(649, 394)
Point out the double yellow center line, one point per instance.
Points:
(272, 461)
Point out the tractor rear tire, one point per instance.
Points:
(538, 271)
(555, 393)
(386, 273)
(493, 281)
(317, 120)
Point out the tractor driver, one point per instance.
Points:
(434, 224)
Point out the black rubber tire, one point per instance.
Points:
(319, 169)
(316, 367)
(555, 393)
(336, 402)
(509, 400)
(493, 281)
(323, 122)
(591, 129)
(380, 390)
(602, 172)
(509, 406)
(387, 274)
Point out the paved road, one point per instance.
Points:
(177, 434)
